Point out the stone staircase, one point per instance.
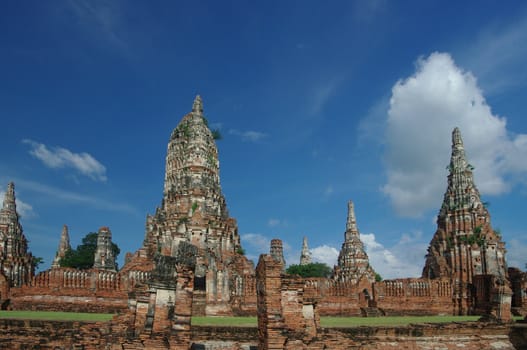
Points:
(371, 312)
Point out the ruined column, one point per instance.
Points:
(269, 304)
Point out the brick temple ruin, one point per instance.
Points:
(465, 270)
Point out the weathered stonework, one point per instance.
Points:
(194, 210)
(518, 281)
(353, 263)
(104, 256)
(465, 244)
(16, 262)
(64, 246)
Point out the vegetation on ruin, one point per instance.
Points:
(310, 270)
(55, 316)
(83, 256)
(216, 134)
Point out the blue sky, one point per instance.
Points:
(318, 103)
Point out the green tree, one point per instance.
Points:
(378, 277)
(310, 270)
(36, 261)
(83, 256)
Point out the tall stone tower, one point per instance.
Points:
(305, 256)
(194, 210)
(16, 262)
(64, 246)
(464, 244)
(353, 263)
(104, 256)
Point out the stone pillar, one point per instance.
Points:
(269, 304)
(286, 319)
(502, 298)
(182, 309)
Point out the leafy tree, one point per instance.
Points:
(36, 261)
(310, 270)
(83, 256)
(378, 277)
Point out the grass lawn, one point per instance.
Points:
(55, 316)
(248, 321)
(245, 321)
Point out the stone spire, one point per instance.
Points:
(353, 263)
(16, 262)
(194, 211)
(305, 256)
(8, 212)
(197, 106)
(104, 257)
(464, 244)
(351, 223)
(64, 246)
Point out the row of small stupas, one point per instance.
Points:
(193, 210)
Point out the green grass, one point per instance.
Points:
(55, 316)
(247, 321)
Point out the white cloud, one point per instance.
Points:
(424, 109)
(77, 198)
(404, 259)
(255, 244)
(325, 254)
(25, 210)
(273, 222)
(249, 135)
(59, 157)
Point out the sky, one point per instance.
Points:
(318, 103)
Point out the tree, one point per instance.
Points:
(83, 256)
(378, 277)
(36, 261)
(310, 270)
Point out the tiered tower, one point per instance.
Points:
(464, 244)
(104, 256)
(16, 262)
(305, 256)
(64, 246)
(353, 263)
(194, 210)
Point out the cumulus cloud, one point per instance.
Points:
(25, 210)
(424, 109)
(404, 259)
(255, 244)
(59, 157)
(248, 135)
(325, 254)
